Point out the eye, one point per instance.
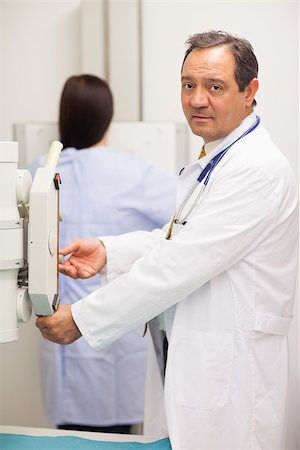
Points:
(215, 88)
(187, 86)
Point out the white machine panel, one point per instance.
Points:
(43, 235)
(163, 144)
(11, 241)
(43, 242)
(29, 214)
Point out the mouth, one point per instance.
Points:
(200, 118)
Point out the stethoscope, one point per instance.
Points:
(204, 177)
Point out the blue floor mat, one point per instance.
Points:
(24, 442)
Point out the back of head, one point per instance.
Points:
(86, 110)
(246, 62)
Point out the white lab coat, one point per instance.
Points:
(231, 271)
(103, 191)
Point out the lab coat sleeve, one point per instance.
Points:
(233, 218)
(123, 250)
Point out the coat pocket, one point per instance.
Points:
(201, 368)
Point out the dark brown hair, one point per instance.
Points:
(86, 110)
(246, 62)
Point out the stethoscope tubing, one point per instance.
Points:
(205, 175)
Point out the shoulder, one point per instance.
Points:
(257, 150)
(256, 162)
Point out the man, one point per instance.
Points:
(224, 278)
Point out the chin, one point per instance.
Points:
(197, 128)
(199, 132)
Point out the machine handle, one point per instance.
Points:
(54, 154)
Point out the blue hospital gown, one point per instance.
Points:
(103, 192)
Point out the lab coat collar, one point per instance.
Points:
(214, 147)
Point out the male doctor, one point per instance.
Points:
(222, 273)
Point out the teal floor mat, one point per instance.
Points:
(24, 442)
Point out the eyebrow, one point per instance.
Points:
(186, 78)
(211, 80)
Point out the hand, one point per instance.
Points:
(88, 258)
(60, 327)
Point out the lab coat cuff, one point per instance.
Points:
(84, 312)
(77, 317)
(116, 261)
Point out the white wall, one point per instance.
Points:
(41, 44)
(40, 48)
(270, 26)
(124, 57)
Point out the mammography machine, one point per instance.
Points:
(29, 213)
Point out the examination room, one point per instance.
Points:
(149, 161)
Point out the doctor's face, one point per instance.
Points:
(210, 96)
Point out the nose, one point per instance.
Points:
(199, 99)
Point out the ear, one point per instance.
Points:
(250, 91)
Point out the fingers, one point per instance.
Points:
(70, 248)
(68, 269)
(76, 270)
(84, 273)
(86, 258)
(42, 325)
(60, 327)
